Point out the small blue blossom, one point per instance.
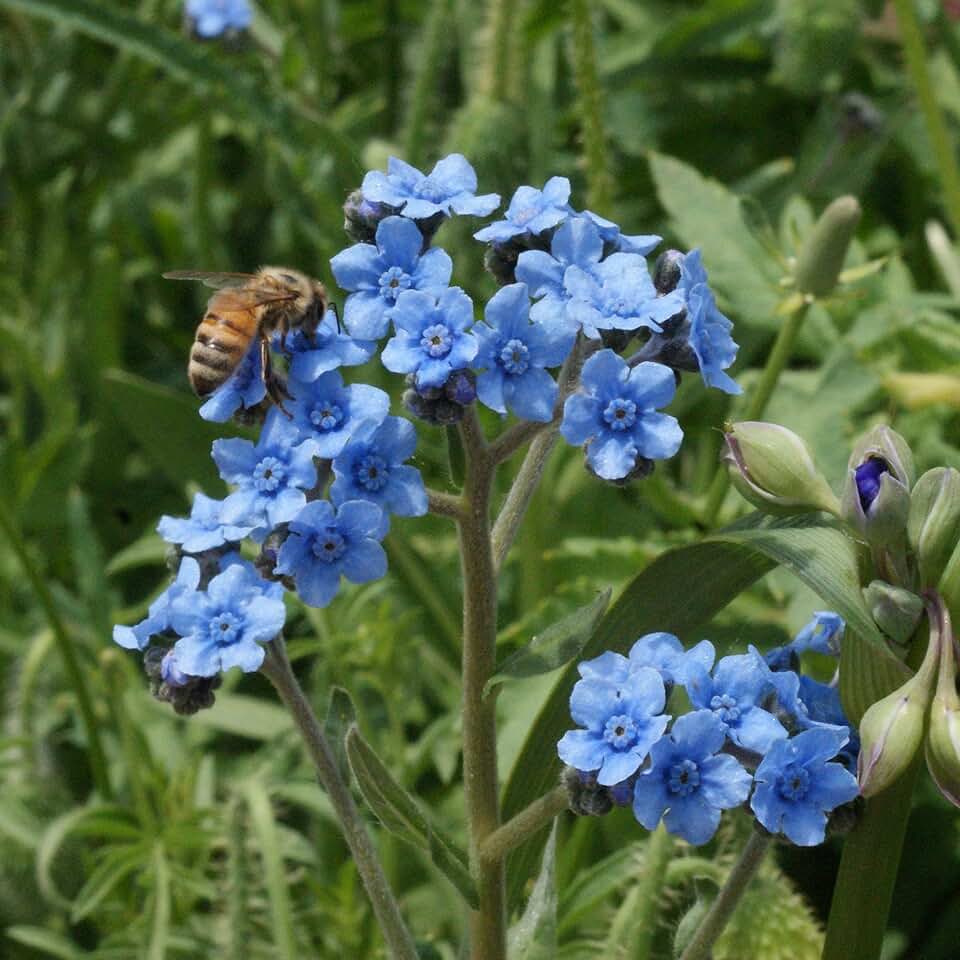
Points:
(371, 467)
(513, 354)
(432, 339)
(212, 17)
(709, 330)
(623, 720)
(617, 294)
(531, 211)
(244, 389)
(380, 273)
(797, 785)
(617, 414)
(203, 530)
(612, 237)
(323, 544)
(689, 781)
(271, 477)
(661, 651)
(327, 412)
(225, 625)
(158, 616)
(327, 350)
(170, 671)
(735, 692)
(450, 187)
(822, 634)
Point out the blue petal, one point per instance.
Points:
(699, 734)
(582, 750)
(592, 702)
(556, 191)
(490, 389)
(359, 267)
(235, 458)
(693, 819)
(475, 206)
(650, 798)
(402, 354)
(653, 385)
(406, 496)
(434, 270)
(248, 656)
(358, 519)
(454, 174)
(619, 766)
(507, 310)
(757, 730)
(657, 436)
(540, 272)
(577, 242)
(413, 311)
(318, 583)
(364, 561)
(365, 314)
(532, 395)
(612, 457)
(605, 374)
(264, 618)
(399, 240)
(803, 825)
(724, 783)
(432, 373)
(581, 419)
(197, 658)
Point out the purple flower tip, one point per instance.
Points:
(868, 476)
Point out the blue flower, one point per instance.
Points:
(450, 188)
(328, 350)
(665, 653)
(617, 417)
(577, 242)
(323, 544)
(735, 692)
(380, 273)
(203, 530)
(244, 389)
(612, 237)
(688, 780)
(371, 467)
(432, 339)
(822, 634)
(271, 476)
(212, 17)
(226, 625)
(170, 671)
(531, 211)
(709, 330)
(617, 294)
(623, 719)
(797, 786)
(513, 354)
(328, 413)
(158, 616)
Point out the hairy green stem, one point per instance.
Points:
(71, 661)
(526, 823)
(590, 105)
(650, 888)
(759, 398)
(729, 896)
(277, 669)
(943, 149)
(488, 923)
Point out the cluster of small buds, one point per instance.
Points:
(315, 492)
(758, 732)
(909, 528)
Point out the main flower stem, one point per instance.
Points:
(736, 884)
(659, 852)
(488, 923)
(759, 398)
(277, 668)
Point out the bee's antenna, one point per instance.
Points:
(336, 313)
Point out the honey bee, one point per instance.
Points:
(247, 306)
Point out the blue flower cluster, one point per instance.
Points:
(315, 492)
(756, 733)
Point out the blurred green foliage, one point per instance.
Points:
(127, 149)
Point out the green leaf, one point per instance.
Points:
(400, 813)
(557, 645)
(595, 883)
(707, 215)
(160, 929)
(341, 716)
(245, 716)
(534, 937)
(167, 426)
(275, 880)
(118, 864)
(46, 941)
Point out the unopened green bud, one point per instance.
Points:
(892, 729)
(821, 258)
(949, 586)
(943, 736)
(895, 610)
(772, 468)
(876, 495)
(933, 527)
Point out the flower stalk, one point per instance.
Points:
(524, 825)
(278, 671)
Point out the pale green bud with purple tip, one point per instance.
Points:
(772, 468)
(895, 610)
(891, 731)
(943, 736)
(876, 495)
(933, 526)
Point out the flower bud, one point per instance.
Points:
(943, 735)
(821, 258)
(361, 217)
(933, 525)
(876, 496)
(772, 468)
(895, 611)
(666, 271)
(892, 729)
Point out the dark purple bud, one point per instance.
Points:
(868, 476)
(622, 793)
(616, 340)
(362, 217)
(666, 271)
(461, 387)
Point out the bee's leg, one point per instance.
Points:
(336, 315)
(276, 388)
(284, 330)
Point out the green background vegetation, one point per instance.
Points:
(126, 149)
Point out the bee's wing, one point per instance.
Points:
(244, 298)
(211, 279)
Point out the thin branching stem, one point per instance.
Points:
(527, 822)
(277, 668)
(444, 504)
